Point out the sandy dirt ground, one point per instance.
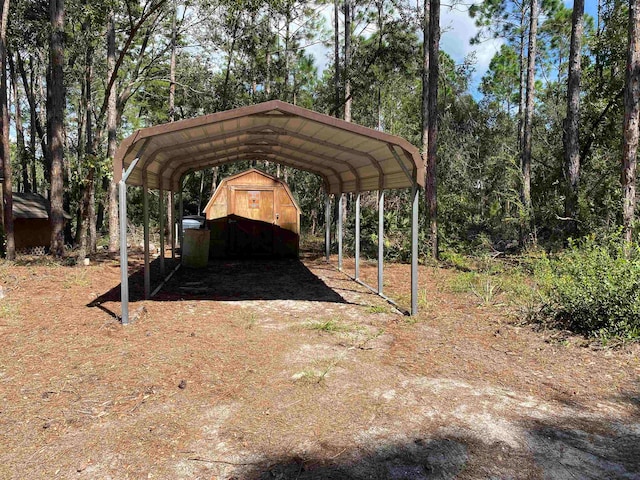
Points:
(290, 370)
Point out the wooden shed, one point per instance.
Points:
(253, 214)
(31, 226)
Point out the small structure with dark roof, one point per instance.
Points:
(31, 226)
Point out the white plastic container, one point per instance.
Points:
(195, 251)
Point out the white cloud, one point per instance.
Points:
(458, 28)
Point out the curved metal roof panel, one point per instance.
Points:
(348, 157)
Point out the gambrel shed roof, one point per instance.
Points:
(246, 173)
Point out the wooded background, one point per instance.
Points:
(544, 149)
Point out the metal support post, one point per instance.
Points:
(145, 221)
(340, 220)
(414, 248)
(180, 215)
(161, 224)
(357, 252)
(380, 240)
(124, 262)
(171, 223)
(327, 226)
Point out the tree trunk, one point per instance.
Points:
(253, 49)
(88, 195)
(347, 61)
(227, 75)
(434, 73)
(522, 84)
(172, 97)
(380, 22)
(598, 52)
(23, 159)
(172, 66)
(200, 192)
(45, 142)
(267, 80)
(93, 233)
(5, 152)
(528, 123)
(32, 129)
(111, 124)
(36, 121)
(55, 114)
(287, 33)
(425, 83)
(572, 122)
(113, 105)
(631, 123)
(336, 53)
(214, 180)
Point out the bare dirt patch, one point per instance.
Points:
(291, 370)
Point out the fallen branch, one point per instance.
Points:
(226, 462)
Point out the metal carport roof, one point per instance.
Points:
(348, 157)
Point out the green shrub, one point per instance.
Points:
(453, 259)
(593, 289)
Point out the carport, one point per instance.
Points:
(349, 158)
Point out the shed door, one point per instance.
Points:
(254, 204)
(253, 236)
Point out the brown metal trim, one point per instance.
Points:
(250, 155)
(118, 160)
(235, 149)
(269, 147)
(216, 159)
(267, 157)
(278, 131)
(335, 146)
(399, 160)
(418, 173)
(199, 141)
(275, 105)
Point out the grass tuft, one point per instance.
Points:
(8, 311)
(78, 278)
(377, 309)
(328, 326)
(315, 376)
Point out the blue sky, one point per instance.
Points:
(458, 29)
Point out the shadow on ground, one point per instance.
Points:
(228, 280)
(546, 451)
(255, 279)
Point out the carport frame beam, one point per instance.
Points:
(357, 252)
(145, 216)
(327, 227)
(171, 215)
(161, 225)
(340, 220)
(180, 216)
(415, 195)
(380, 241)
(124, 261)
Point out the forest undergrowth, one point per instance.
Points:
(591, 288)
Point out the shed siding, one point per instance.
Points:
(31, 232)
(253, 196)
